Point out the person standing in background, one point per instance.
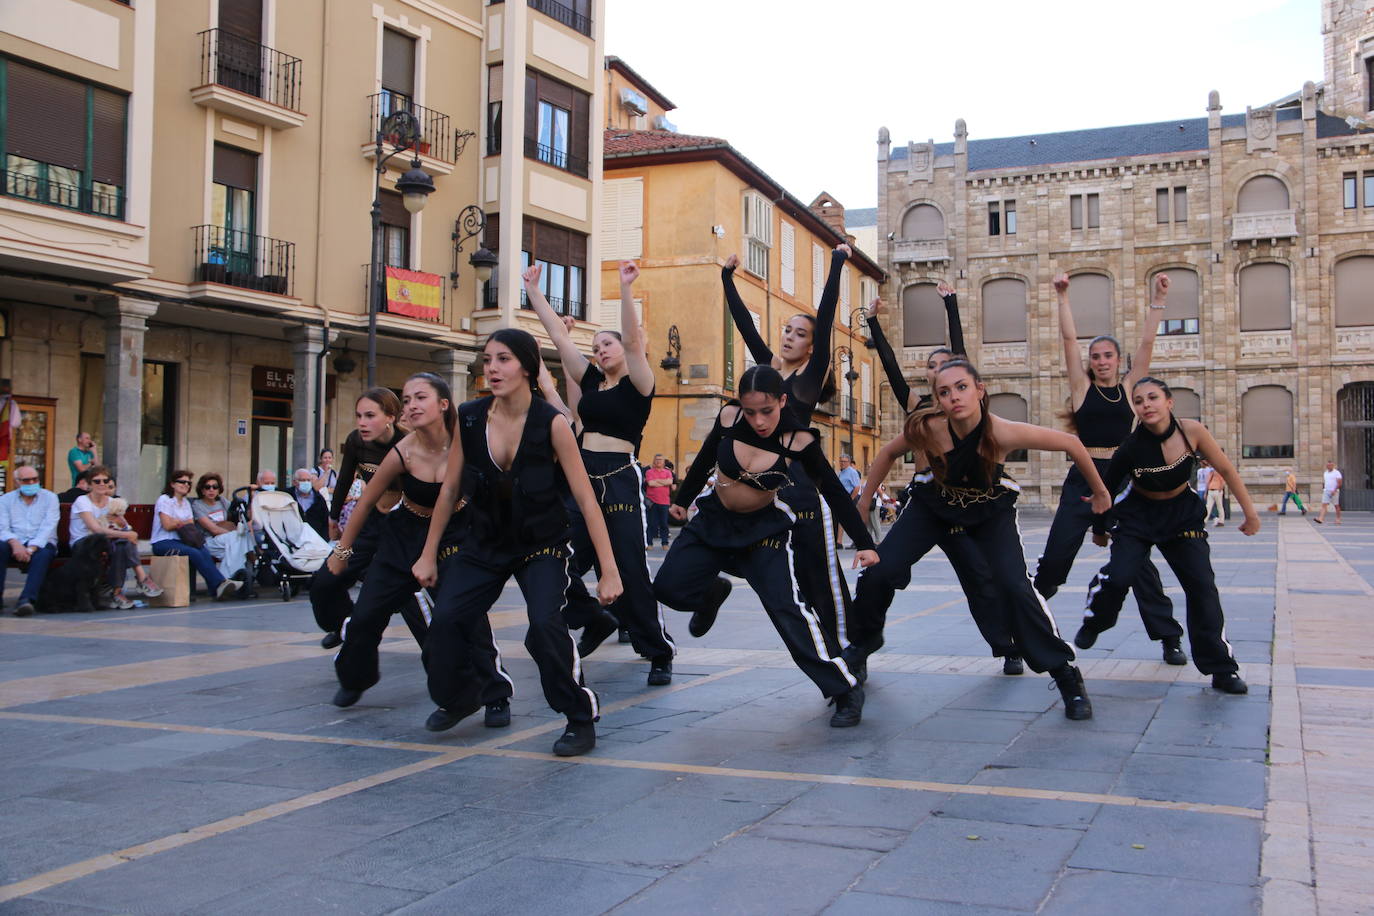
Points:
(1216, 490)
(82, 456)
(1290, 491)
(853, 485)
(658, 481)
(1332, 479)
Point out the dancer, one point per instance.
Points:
(418, 461)
(1158, 508)
(984, 603)
(964, 485)
(615, 394)
(745, 527)
(1101, 416)
(506, 463)
(377, 413)
(803, 360)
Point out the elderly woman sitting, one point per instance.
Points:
(228, 542)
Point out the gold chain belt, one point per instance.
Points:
(1101, 451)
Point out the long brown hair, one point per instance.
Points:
(919, 435)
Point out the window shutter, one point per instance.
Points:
(1265, 298)
(394, 212)
(789, 260)
(242, 18)
(1161, 205)
(491, 233)
(1266, 417)
(239, 169)
(531, 106)
(1187, 405)
(108, 141)
(923, 221)
(817, 274)
(1004, 310)
(1262, 193)
(758, 326)
(580, 125)
(398, 62)
(622, 218)
(1094, 211)
(923, 316)
(1183, 293)
(1090, 297)
(1355, 292)
(846, 277)
(866, 383)
(46, 117)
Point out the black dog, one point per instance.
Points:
(79, 583)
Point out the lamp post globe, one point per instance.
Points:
(415, 187)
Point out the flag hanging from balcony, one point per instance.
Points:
(413, 293)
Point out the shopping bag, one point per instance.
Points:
(174, 575)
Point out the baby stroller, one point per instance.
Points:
(290, 551)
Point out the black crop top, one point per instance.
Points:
(1141, 458)
(360, 459)
(619, 411)
(720, 444)
(423, 493)
(1104, 421)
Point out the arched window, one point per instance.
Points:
(1090, 295)
(1262, 194)
(1004, 310)
(923, 316)
(1187, 405)
(1181, 317)
(923, 221)
(1265, 297)
(1010, 407)
(1355, 292)
(1266, 422)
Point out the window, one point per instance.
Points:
(1085, 210)
(1369, 83)
(846, 297)
(63, 141)
(395, 231)
(1010, 407)
(1164, 197)
(817, 275)
(1181, 317)
(757, 224)
(1262, 194)
(1180, 205)
(557, 124)
(1090, 297)
(1004, 310)
(923, 316)
(622, 219)
(1009, 216)
(1187, 404)
(562, 254)
(1002, 217)
(1266, 422)
(1161, 205)
(788, 281)
(1349, 190)
(398, 72)
(233, 209)
(994, 218)
(923, 221)
(1355, 292)
(495, 89)
(1369, 189)
(1265, 298)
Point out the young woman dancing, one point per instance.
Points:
(1158, 508)
(803, 361)
(1102, 417)
(964, 486)
(616, 391)
(417, 461)
(506, 463)
(984, 604)
(377, 412)
(745, 527)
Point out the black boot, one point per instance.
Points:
(1069, 680)
(1012, 665)
(331, 639)
(1173, 653)
(442, 719)
(343, 697)
(578, 738)
(856, 660)
(498, 714)
(625, 639)
(849, 708)
(1085, 638)
(661, 671)
(596, 631)
(704, 619)
(1229, 683)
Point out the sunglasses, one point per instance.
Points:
(184, 482)
(211, 486)
(101, 480)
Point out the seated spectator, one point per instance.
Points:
(329, 477)
(28, 534)
(266, 482)
(80, 488)
(175, 533)
(314, 505)
(223, 539)
(88, 517)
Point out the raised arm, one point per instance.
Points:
(1159, 301)
(956, 329)
(608, 587)
(740, 315)
(1012, 435)
(1068, 332)
(631, 334)
(574, 363)
(825, 318)
(379, 484)
(1204, 442)
(891, 367)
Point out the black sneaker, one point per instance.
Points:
(1229, 683)
(578, 738)
(331, 639)
(849, 708)
(441, 720)
(704, 619)
(24, 609)
(661, 671)
(596, 632)
(1069, 680)
(1012, 665)
(344, 698)
(624, 639)
(1085, 638)
(498, 714)
(856, 660)
(1173, 653)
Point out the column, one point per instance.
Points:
(126, 323)
(307, 343)
(453, 367)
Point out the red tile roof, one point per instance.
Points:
(622, 142)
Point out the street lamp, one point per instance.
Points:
(860, 314)
(850, 376)
(470, 224)
(402, 131)
(672, 360)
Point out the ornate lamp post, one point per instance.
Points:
(850, 376)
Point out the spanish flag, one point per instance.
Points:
(413, 293)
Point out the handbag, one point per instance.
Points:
(173, 573)
(192, 535)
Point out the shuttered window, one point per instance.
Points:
(1261, 194)
(923, 316)
(1355, 292)
(1265, 297)
(242, 18)
(817, 275)
(47, 117)
(562, 253)
(239, 169)
(622, 219)
(1010, 407)
(846, 298)
(541, 89)
(1090, 296)
(1266, 422)
(395, 230)
(1181, 316)
(1187, 404)
(788, 280)
(1004, 310)
(923, 221)
(398, 63)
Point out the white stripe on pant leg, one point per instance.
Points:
(813, 623)
(644, 525)
(572, 643)
(832, 562)
(1044, 608)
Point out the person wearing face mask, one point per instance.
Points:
(311, 501)
(28, 533)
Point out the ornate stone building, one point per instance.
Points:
(1264, 221)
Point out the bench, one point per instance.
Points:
(139, 517)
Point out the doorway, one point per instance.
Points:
(1355, 413)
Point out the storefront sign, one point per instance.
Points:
(270, 380)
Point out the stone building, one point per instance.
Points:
(1264, 221)
(185, 218)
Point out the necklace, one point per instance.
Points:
(1119, 393)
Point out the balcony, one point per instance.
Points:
(242, 78)
(870, 415)
(911, 251)
(44, 184)
(229, 257)
(435, 144)
(1271, 224)
(413, 300)
(558, 158)
(568, 16)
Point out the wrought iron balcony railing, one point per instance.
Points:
(435, 138)
(242, 64)
(558, 158)
(560, 12)
(236, 258)
(39, 185)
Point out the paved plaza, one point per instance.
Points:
(189, 760)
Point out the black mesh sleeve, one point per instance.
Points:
(900, 389)
(739, 313)
(700, 470)
(956, 330)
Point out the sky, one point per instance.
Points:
(801, 86)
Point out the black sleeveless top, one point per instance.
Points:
(1141, 458)
(965, 495)
(774, 477)
(1104, 421)
(361, 459)
(423, 493)
(519, 510)
(619, 411)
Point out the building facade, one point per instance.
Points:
(1264, 220)
(185, 227)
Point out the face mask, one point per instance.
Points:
(303, 486)
(269, 487)
(29, 489)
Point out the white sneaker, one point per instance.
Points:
(122, 603)
(151, 589)
(226, 589)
